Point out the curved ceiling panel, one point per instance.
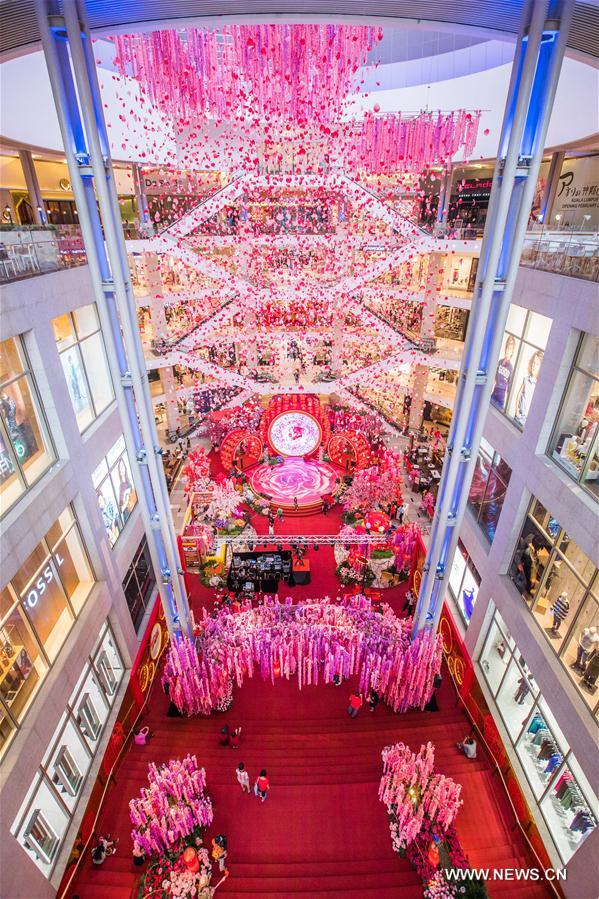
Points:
(19, 31)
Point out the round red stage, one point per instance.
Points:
(305, 479)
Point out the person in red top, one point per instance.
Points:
(235, 738)
(355, 704)
(262, 786)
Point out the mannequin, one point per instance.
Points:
(588, 642)
(561, 609)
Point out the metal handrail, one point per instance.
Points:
(557, 893)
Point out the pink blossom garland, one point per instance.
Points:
(171, 807)
(314, 641)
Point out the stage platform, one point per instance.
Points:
(308, 480)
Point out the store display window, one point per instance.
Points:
(451, 323)
(561, 585)
(565, 798)
(139, 584)
(464, 581)
(26, 450)
(489, 485)
(114, 489)
(37, 610)
(574, 443)
(83, 359)
(459, 273)
(518, 369)
(51, 802)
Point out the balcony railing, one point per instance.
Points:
(574, 253)
(28, 251)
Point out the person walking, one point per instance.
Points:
(280, 514)
(373, 700)
(243, 778)
(219, 850)
(235, 738)
(262, 785)
(401, 512)
(224, 737)
(355, 704)
(325, 507)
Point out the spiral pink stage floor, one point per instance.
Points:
(306, 479)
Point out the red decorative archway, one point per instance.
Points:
(240, 445)
(351, 445)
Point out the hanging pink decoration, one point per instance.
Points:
(311, 641)
(171, 807)
(414, 793)
(300, 74)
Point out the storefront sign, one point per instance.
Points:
(41, 584)
(156, 641)
(577, 197)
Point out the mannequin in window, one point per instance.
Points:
(561, 609)
(527, 388)
(588, 643)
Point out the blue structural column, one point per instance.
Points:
(67, 48)
(535, 71)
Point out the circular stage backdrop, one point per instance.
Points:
(294, 434)
(303, 479)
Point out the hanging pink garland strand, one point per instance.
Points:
(313, 642)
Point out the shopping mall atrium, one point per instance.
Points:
(299, 449)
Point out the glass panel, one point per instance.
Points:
(11, 359)
(69, 764)
(530, 559)
(74, 569)
(109, 665)
(46, 607)
(98, 375)
(588, 357)
(19, 410)
(123, 487)
(590, 477)
(109, 510)
(60, 527)
(515, 320)
(27, 573)
(495, 657)
(579, 561)
(77, 387)
(86, 320)
(64, 333)
(537, 329)
(504, 372)
(22, 668)
(581, 655)
(7, 730)
(7, 601)
(558, 601)
(516, 696)
(577, 424)
(526, 374)
(541, 748)
(91, 711)
(11, 481)
(469, 591)
(44, 828)
(567, 813)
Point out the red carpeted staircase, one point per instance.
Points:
(322, 831)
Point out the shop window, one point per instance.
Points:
(541, 747)
(37, 610)
(489, 485)
(44, 823)
(517, 372)
(464, 581)
(83, 358)
(66, 773)
(451, 323)
(570, 808)
(574, 443)
(139, 584)
(114, 489)
(26, 450)
(560, 583)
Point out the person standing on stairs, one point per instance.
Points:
(219, 850)
(262, 785)
(243, 778)
(373, 700)
(355, 704)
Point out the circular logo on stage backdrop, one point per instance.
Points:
(294, 434)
